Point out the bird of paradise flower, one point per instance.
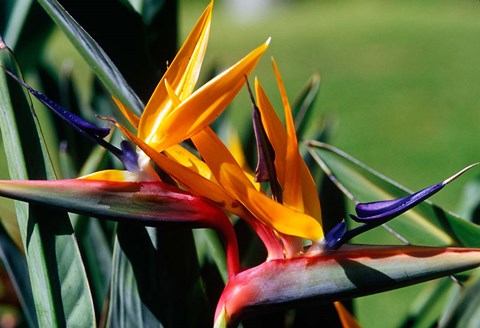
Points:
(303, 262)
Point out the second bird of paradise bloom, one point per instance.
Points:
(214, 181)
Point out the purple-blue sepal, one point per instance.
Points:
(388, 209)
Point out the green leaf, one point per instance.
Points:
(9, 220)
(303, 106)
(16, 21)
(426, 224)
(126, 306)
(95, 247)
(465, 311)
(59, 284)
(209, 248)
(155, 280)
(426, 308)
(96, 58)
(14, 262)
(469, 207)
(352, 271)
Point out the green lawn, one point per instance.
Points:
(401, 78)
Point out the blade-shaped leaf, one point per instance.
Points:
(469, 206)
(97, 253)
(210, 248)
(304, 103)
(14, 262)
(465, 312)
(427, 307)
(16, 21)
(155, 281)
(93, 55)
(426, 224)
(9, 220)
(350, 272)
(59, 283)
(126, 306)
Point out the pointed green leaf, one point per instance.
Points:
(303, 106)
(426, 224)
(93, 55)
(59, 283)
(350, 272)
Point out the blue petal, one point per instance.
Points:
(386, 210)
(76, 121)
(336, 236)
(129, 156)
(389, 209)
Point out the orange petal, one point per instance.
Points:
(235, 146)
(129, 115)
(182, 156)
(204, 106)
(182, 75)
(189, 179)
(292, 191)
(310, 193)
(346, 318)
(232, 178)
(236, 149)
(171, 94)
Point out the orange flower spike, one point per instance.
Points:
(232, 178)
(182, 75)
(292, 191)
(204, 106)
(298, 180)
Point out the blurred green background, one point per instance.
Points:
(401, 79)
